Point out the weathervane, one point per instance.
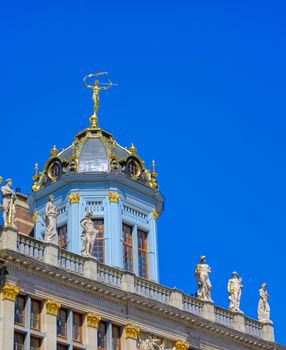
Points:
(96, 88)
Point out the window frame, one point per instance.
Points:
(80, 327)
(104, 337)
(143, 251)
(22, 297)
(14, 343)
(127, 246)
(99, 239)
(66, 323)
(40, 341)
(118, 339)
(39, 315)
(63, 245)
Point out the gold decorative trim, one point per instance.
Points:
(155, 214)
(55, 151)
(181, 345)
(35, 217)
(133, 149)
(74, 198)
(10, 292)
(131, 331)
(36, 187)
(113, 197)
(92, 320)
(52, 307)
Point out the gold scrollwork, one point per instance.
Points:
(74, 198)
(36, 187)
(113, 197)
(35, 217)
(131, 331)
(52, 307)
(155, 214)
(92, 320)
(10, 292)
(181, 345)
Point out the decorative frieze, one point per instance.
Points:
(52, 307)
(113, 197)
(181, 345)
(10, 292)
(74, 198)
(131, 331)
(92, 320)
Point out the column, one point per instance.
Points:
(129, 341)
(49, 318)
(8, 298)
(238, 321)
(8, 238)
(90, 325)
(209, 310)
(74, 223)
(267, 332)
(113, 236)
(153, 247)
(109, 336)
(135, 250)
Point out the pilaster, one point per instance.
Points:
(153, 249)
(114, 233)
(91, 324)
(131, 333)
(74, 222)
(49, 314)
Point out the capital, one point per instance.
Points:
(10, 292)
(181, 345)
(74, 198)
(155, 214)
(131, 331)
(113, 197)
(52, 307)
(92, 320)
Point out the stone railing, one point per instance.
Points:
(89, 268)
(109, 275)
(223, 316)
(193, 305)
(253, 327)
(152, 290)
(30, 247)
(70, 262)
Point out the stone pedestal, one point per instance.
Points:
(8, 238)
(128, 282)
(49, 319)
(267, 332)
(91, 324)
(176, 299)
(51, 254)
(90, 268)
(238, 321)
(209, 311)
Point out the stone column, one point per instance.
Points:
(49, 318)
(90, 268)
(129, 341)
(153, 247)
(90, 325)
(181, 345)
(128, 282)
(51, 254)
(209, 311)
(176, 299)
(8, 296)
(8, 238)
(267, 332)
(113, 236)
(238, 321)
(74, 222)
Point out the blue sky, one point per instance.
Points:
(202, 91)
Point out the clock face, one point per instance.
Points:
(54, 171)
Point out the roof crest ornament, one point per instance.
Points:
(96, 88)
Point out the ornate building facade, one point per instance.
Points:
(79, 262)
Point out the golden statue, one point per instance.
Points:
(96, 88)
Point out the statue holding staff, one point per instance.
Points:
(50, 219)
(263, 306)
(202, 273)
(234, 288)
(9, 209)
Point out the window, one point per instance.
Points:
(62, 323)
(63, 236)
(127, 247)
(142, 253)
(76, 327)
(35, 314)
(101, 336)
(19, 340)
(35, 343)
(20, 310)
(62, 347)
(115, 338)
(98, 248)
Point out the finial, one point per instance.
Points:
(1, 179)
(154, 174)
(54, 151)
(36, 172)
(133, 149)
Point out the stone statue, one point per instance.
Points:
(88, 235)
(50, 219)
(263, 306)
(9, 209)
(202, 273)
(149, 343)
(234, 288)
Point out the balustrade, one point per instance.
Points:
(71, 262)
(193, 305)
(109, 275)
(152, 290)
(224, 316)
(30, 247)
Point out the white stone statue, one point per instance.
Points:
(202, 273)
(88, 236)
(9, 209)
(149, 343)
(263, 306)
(234, 288)
(50, 219)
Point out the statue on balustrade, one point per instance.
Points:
(202, 273)
(50, 219)
(88, 235)
(234, 288)
(9, 209)
(263, 306)
(149, 343)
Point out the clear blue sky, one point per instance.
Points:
(202, 91)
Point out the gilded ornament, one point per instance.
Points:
(155, 214)
(1, 179)
(154, 174)
(114, 197)
(52, 307)
(35, 217)
(133, 149)
(10, 292)
(131, 331)
(92, 320)
(36, 187)
(181, 345)
(36, 172)
(55, 151)
(74, 198)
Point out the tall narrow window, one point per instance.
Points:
(63, 236)
(115, 338)
(77, 327)
(35, 314)
(20, 310)
(98, 248)
(35, 343)
(101, 336)
(19, 340)
(142, 253)
(127, 247)
(62, 347)
(62, 323)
